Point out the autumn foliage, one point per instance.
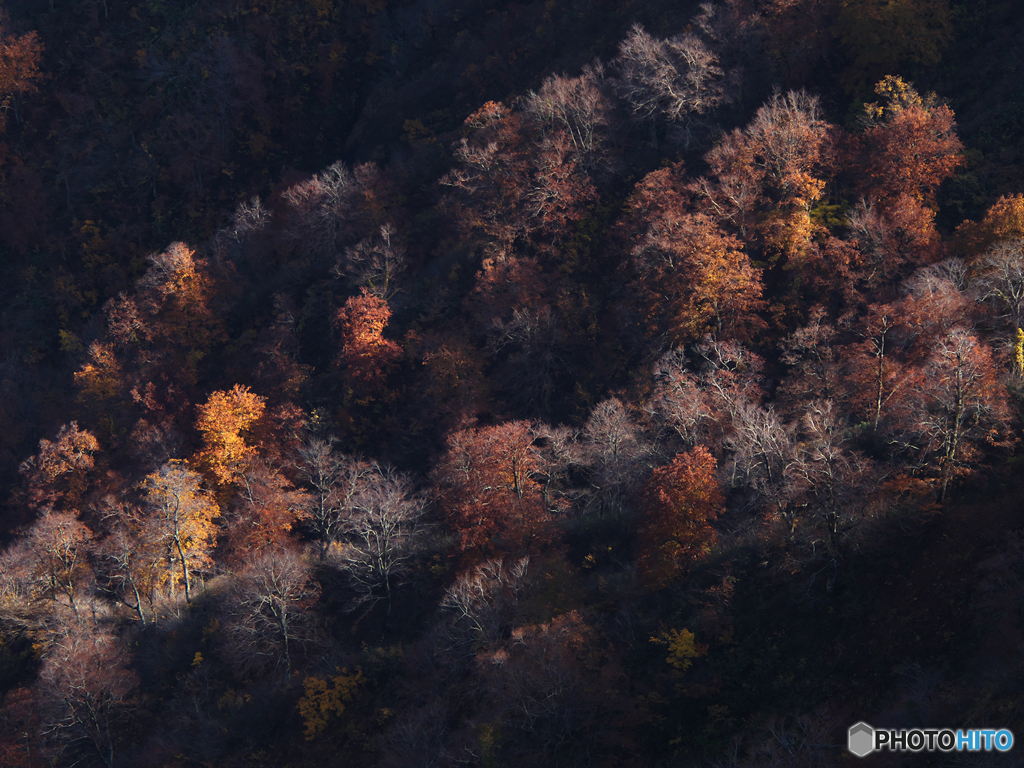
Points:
(180, 525)
(19, 68)
(489, 485)
(58, 474)
(911, 145)
(366, 356)
(678, 505)
(696, 279)
(225, 422)
(433, 455)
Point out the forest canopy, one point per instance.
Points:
(447, 383)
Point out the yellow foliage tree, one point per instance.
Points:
(180, 522)
(682, 648)
(326, 697)
(1018, 353)
(1003, 221)
(100, 378)
(224, 421)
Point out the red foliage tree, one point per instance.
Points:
(884, 244)
(678, 505)
(517, 182)
(19, 68)
(876, 377)
(488, 484)
(910, 146)
(263, 513)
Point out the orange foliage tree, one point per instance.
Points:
(768, 176)
(1003, 221)
(678, 504)
(58, 473)
(173, 311)
(19, 67)
(225, 421)
(366, 355)
(696, 279)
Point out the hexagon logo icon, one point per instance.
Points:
(861, 739)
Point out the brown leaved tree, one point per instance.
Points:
(678, 505)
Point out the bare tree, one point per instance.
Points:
(380, 534)
(320, 205)
(86, 689)
(831, 484)
(328, 209)
(678, 404)
(721, 405)
(543, 687)
(581, 108)
(418, 738)
(333, 483)
(615, 450)
(482, 605)
(268, 612)
(761, 448)
(670, 79)
(960, 405)
(1000, 281)
(250, 218)
(129, 571)
(532, 340)
(376, 262)
(60, 544)
(814, 367)
(132, 559)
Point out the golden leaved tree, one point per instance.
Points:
(180, 522)
(225, 420)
